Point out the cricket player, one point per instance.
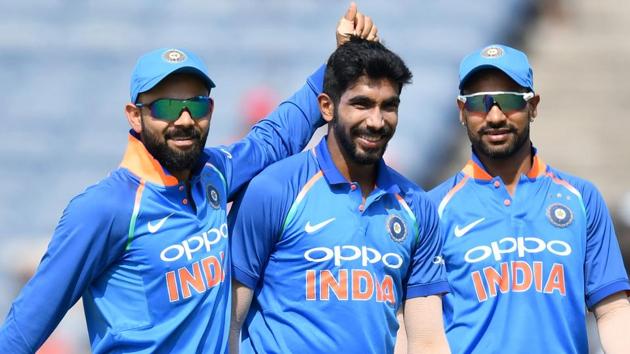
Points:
(528, 248)
(331, 244)
(147, 247)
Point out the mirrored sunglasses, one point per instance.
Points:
(484, 101)
(170, 109)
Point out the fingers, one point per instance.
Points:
(367, 27)
(359, 22)
(373, 35)
(352, 12)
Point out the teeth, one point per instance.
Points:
(369, 138)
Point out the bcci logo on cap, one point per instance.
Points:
(213, 196)
(492, 52)
(174, 56)
(559, 215)
(397, 228)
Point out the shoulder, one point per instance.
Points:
(440, 191)
(414, 195)
(108, 201)
(580, 184)
(285, 177)
(584, 189)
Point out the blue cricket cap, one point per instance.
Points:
(512, 62)
(154, 66)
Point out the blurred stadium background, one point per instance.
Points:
(65, 68)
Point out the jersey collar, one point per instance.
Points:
(140, 162)
(475, 169)
(384, 178)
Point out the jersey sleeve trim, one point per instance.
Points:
(406, 207)
(600, 294)
(438, 287)
(219, 173)
(134, 215)
(447, 198)
(244, 278)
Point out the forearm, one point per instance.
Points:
(241, 300)
(612, 325)
(424, 326)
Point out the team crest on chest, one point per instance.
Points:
(213, 196)
(397, 228)
(559, 215)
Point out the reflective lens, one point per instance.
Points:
(484, 101)
(169, 109)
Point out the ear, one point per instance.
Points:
(133, 117)
(326, 107)
(460, 107)
(533, 106)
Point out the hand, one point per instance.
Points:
(354, 23)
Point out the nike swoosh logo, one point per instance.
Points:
(312, 228)
(459, 232)
(153, 228)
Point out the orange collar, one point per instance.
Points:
(140, 162)
(475, 170)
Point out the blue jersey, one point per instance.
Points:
(523, 268)
(150, 260)
(329, 272)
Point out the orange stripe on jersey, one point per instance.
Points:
(140, 162)
(451, 193)
(308, 186)
(565, 184)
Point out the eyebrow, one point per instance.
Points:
(368, 100)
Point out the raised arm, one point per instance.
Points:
(287, 130)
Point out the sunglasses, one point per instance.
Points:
(170, 109)
(484, 101)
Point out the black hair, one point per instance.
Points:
(359, 57)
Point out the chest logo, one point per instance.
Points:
(213, 196)
(313, 228)
(559, 215)
(397, 228)
(459, 232)
(153, 228)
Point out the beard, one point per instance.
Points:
(349, 146)
(499, 152)
(174, 160)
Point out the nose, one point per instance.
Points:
(184, 118)
(495, 115)
(375, 120)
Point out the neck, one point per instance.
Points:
(365, 175)
(509, 168)
(182, 176)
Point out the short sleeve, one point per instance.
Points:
(605, 273)
(256, 225)
(428, 275)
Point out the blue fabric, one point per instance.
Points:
(523, 274)
(154, 271)
(329, 276)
